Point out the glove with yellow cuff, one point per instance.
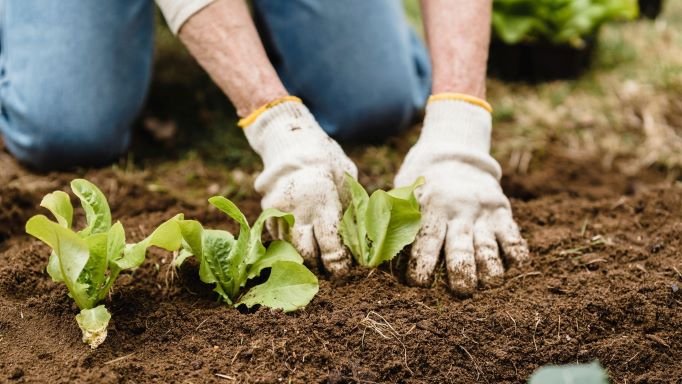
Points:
(464, 209)
(303, 174)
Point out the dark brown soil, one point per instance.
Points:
(604, 284)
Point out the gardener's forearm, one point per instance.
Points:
(458, 35)
(223, 39)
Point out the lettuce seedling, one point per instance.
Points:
(375, 228)
(229, 263)
(89, 261)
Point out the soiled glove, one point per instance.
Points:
(464, 209)
(303, 174)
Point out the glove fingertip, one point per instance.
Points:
(425, 253)
(514, 247)
(337, 263)
(334, 255)
(351, 169)
(462, 287)
(417, 275)
(426, 249)
(460, 259)
(489, 266)
(490, 271)
(461, 277)
(516, 253)
(304, 242)
(273, 228)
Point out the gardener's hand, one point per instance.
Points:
(464, 209)
(303, 174)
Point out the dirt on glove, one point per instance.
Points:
(605, 282)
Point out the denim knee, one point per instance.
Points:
(56, 138)
(357, 64)
(73, 76)
(388, 109)
(381, 99)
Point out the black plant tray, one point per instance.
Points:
(650, 8)
(539, 61)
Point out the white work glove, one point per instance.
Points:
(464, 209)
(303, 174)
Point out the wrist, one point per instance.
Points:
(267, 107)
(457, 123)
(459, 131)
(465, 84)
(468, 98)
(248, 104)
(284, 128)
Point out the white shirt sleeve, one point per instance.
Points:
(176, 12)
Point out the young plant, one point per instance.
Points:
(89, 261)
(229, 263)
(375, 228)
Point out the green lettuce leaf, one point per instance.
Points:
(214, 249)
(54, 269)
(249, 246)
(353, 227)
(97, 212)
(116, 242)
(166, 236)
(290, 286)
(181, 257)
(218, 264)
(88, 262)
(229, 263)
(72, 254)
(59, 204)
(94, 273)
(377, 228)
(240, 252)
(256, 250)
(192, 233)
(277, 251)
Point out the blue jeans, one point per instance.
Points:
(74, 73)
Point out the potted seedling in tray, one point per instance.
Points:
(534, 40)
(89, 261)
(650, 8)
